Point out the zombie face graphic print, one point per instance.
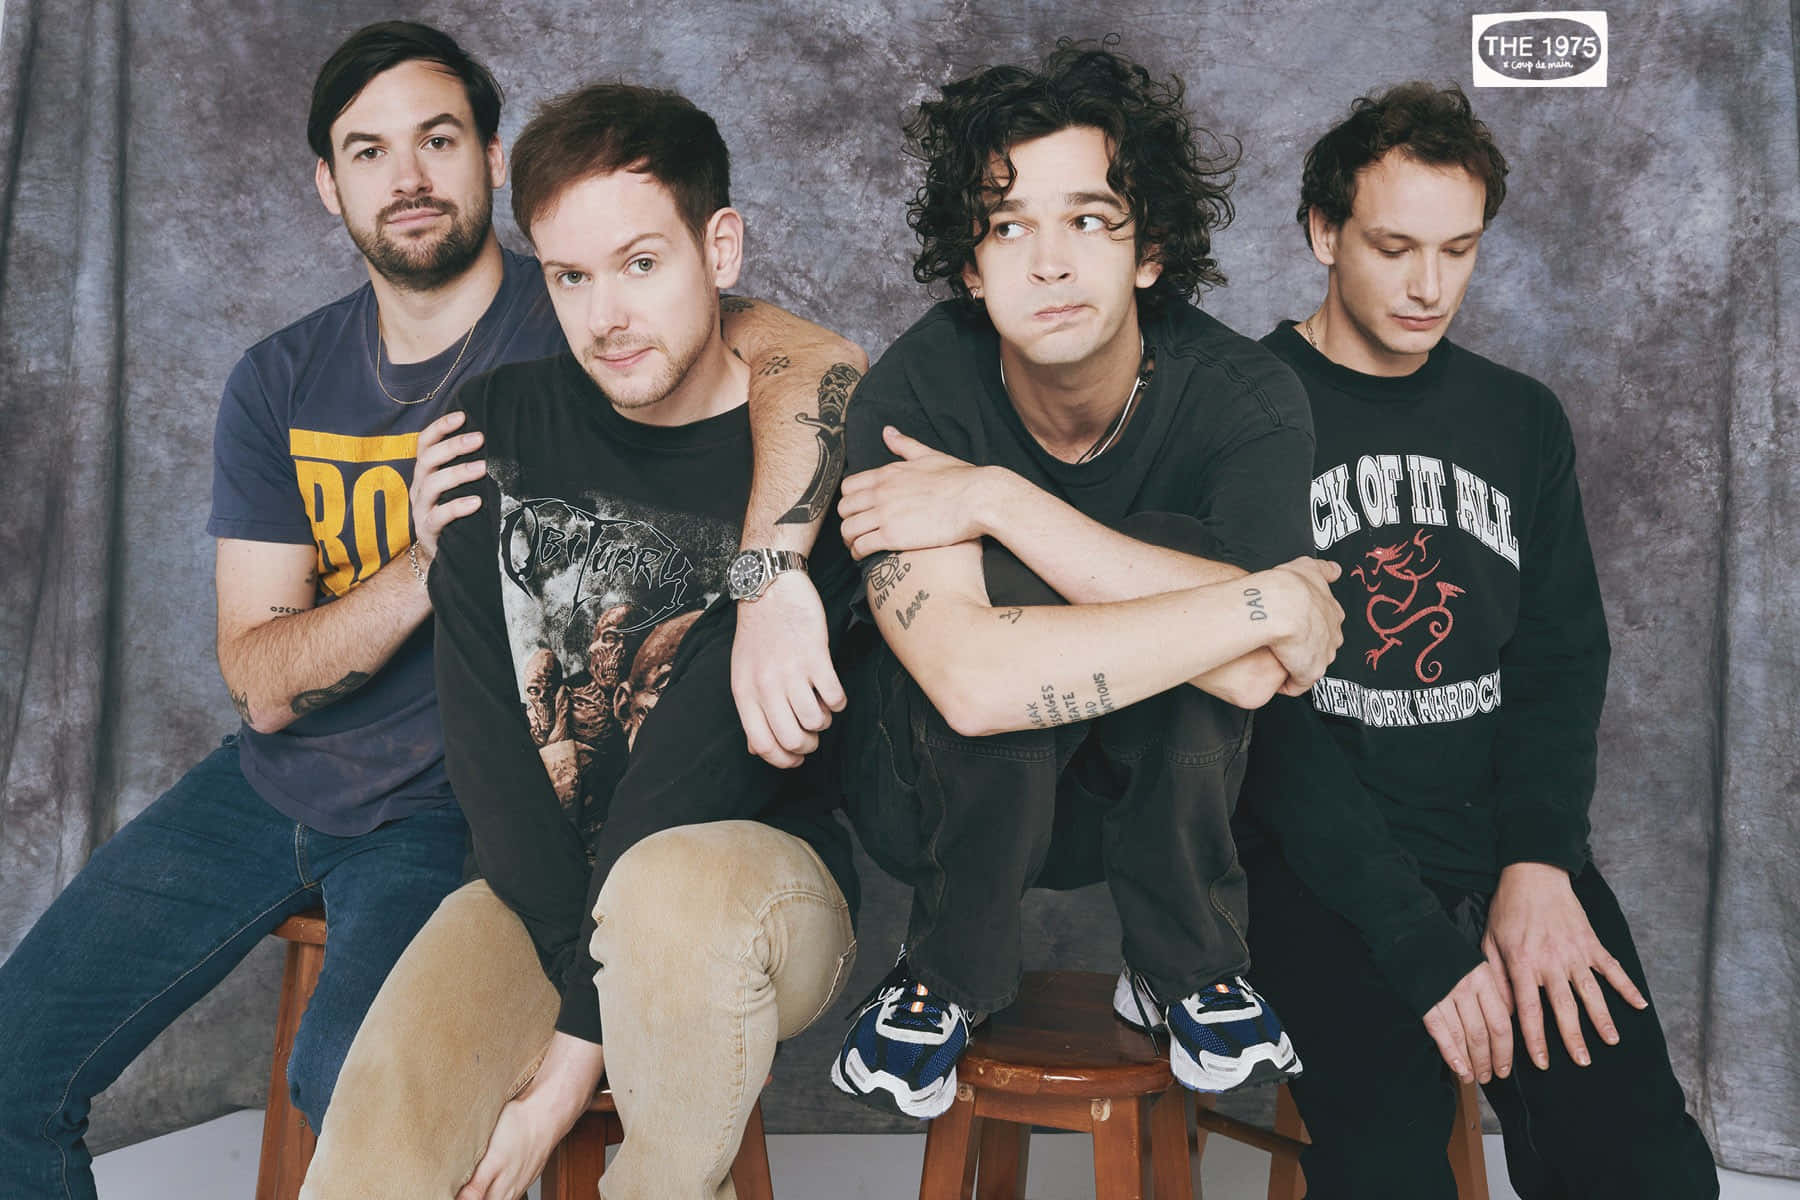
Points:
(598, 593)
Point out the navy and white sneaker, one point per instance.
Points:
(1224, 1036)
(900, 1054)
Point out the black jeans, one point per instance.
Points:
(1141, 798)
(1379, 1103)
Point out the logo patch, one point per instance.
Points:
(1548, 49)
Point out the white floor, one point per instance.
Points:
(217, 1161)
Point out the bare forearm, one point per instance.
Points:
(992, 670)
(298, 661)
(1082, 560)
(801, 379)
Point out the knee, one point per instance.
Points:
(675, 888)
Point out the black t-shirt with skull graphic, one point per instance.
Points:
(1462, 707)
(571, 608)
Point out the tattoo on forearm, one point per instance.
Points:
(886, 575)
(1054, 706)
(735, 304)
(317, 698)
(1010, 615)
(282, 610)
(910, 613)
(835, 387)
(776, 365)
(241, 702)
(1253, 601)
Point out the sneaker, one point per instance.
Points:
(1224, 1036)
(900, 1054)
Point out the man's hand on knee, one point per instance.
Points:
(1472, 1026)
(1539, 939)
(532, 1123)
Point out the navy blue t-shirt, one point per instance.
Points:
(309, 451)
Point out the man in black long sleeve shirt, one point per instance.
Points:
(587, 655)
(1424, 815)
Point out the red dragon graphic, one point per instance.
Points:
(1407, 562)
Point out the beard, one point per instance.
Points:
(677, 361)
(424, 264)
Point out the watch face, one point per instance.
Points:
(745, 576)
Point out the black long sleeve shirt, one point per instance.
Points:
(1455, 732)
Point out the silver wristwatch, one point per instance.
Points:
(752, 571)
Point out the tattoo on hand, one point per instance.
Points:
(910, 613)
(1057, 707)
(241, 702)
(1010, 615)
(284, 611)
(1253, 601)
(886, 575)
(835, 387)
(735, 304)
(317, 698)
(776, 365)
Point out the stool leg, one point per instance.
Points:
(1120, 1164)
(1286, 1181)
(750, 1169)
(1467, 1162)
(1170, 1162)
(949, 1172)
(287, 1142)
(573, 1170)
(1004, 1156)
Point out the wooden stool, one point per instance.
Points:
(1059, 1057)
(575, 1166)
(1286, 1182)
(287, 1142)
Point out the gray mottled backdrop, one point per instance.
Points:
(156, 216)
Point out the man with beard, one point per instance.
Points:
(695, 909)
(334, 789)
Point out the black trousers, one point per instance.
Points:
(1379, 1103)
(1141, 797)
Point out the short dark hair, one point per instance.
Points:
(1176, 189)
(385, 45)
(1431, 125)
(607, 127)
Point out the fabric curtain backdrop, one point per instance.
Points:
(157, 216)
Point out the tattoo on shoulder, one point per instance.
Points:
(886, 574)
(735, 304)
(1010, 615)
(835, 387)
(317, 698)
(776, 365)
(1056, 705)
(241, 702)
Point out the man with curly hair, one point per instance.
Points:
(1062, 479)
(1416, 836)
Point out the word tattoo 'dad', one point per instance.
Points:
(1054, 706)
(885, 575)
(317, 698)
(835, 386)
(1253, 600)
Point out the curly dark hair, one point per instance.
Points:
(1428, 124)
(1174, 176)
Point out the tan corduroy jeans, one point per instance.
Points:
(718, 941)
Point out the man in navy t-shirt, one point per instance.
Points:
(333, 792)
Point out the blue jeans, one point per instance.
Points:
(160, 915)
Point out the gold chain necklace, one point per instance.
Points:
(440, 384)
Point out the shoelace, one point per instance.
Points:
(1139, 989)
